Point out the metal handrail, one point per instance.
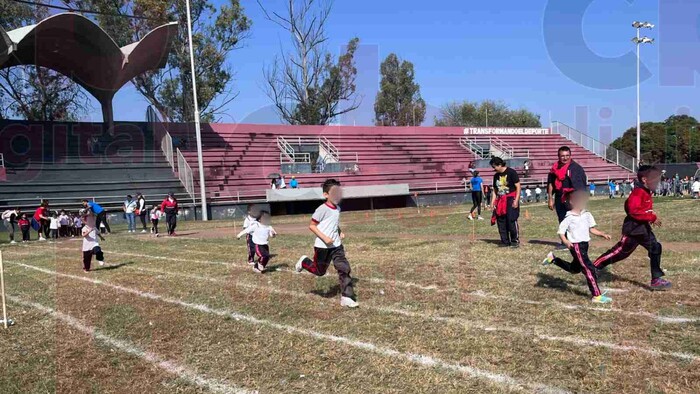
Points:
(286, 149)
(293, 158)
(472, 146)
(600, 149)
(184, 172)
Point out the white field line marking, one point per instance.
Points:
(478, 293)
(470, 324)
(168, 366)
(415, 358)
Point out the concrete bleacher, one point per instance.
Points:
(58, 165)
(239, 157)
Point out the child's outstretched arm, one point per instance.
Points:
(599, 233)
(245, 231)
(273, 233)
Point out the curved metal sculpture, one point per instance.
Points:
(76, 47)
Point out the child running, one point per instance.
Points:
(636, 229)
(90, 245)
(325, 224)
(575, 233)
(247, 222)
(155, 217)
(261, 232)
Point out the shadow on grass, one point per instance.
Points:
(491, 241)
(276, 267)
(333, 292)
(615, 277)
(543, 242)
(551, 282)
(113, 266)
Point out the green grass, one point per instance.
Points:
(429, 284)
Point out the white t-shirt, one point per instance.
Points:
(64, 220)
(538, 191)
(90, 240)
(130, 206)
(55, 224)
(248, 221)
(696, 186)
(577, 226)
(327, 219)
(528, 192)
(261, 233)
(155, 214)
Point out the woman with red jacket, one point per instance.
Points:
(169, 206)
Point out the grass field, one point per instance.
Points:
(443, 310)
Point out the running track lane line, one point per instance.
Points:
(169, 366)
(414, 358)
(477, 293)
(469, 324)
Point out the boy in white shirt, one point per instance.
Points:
(64, 221)
(325, 224)
(54, 226)
(247, 222)
(538, 194)
(696, 188)
(575, 232)
(90, 245)
(77, 225)
(260, 232)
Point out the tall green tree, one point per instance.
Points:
(307, 85)
(219, 28)
(486, 113)
(36, 93)
(398, 102)
(675, 140)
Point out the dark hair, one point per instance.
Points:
(497, 161)
(128, 196)
(646, 171)
(476, 173)
(261, 214)
(249, 209)
(328, 185)
(84, 200)
(564, 148)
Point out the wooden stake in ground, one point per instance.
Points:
(2, 291)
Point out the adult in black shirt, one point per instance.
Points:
(506, 202)
(566, 177)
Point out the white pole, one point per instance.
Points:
(198, 131)
(2, 290)
(639, 124)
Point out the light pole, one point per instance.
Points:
(197, 127)
(638, 40)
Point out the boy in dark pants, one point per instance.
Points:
(260, 233)
(91, 246)
(247, 222)
(505, 202)
(325, 224)
(636, 229)
(575, 233)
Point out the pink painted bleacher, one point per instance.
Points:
(239, 157)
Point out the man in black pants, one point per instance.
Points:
(506, 202)
(100, 214)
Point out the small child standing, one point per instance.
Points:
(155, 217)
(574, 232)
(247, 222)
(25, 227)
(325, 224)
(54, 226)
(63, 221)
(636, 229)
(77, 226)
(261, 232)
(90, 245)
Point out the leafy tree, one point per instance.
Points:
(398, 102)
(218, 29)
(306, 84)
(675, 140)
(473, 114)
(36, 93)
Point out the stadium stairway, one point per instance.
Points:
(239, 157)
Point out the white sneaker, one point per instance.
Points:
(298, 267)
(470, 217)
(348, 302)
(42, 239)
(258, 268)
(480, 218)
(101, 263)
(143, 231)
(13, 242)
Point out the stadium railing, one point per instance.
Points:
(184, 173)
(600, 149)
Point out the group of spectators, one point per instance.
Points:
(279, 183)
(65, 223)
(678, 187)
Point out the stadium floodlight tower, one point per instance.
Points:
(197, 126)
(638, 40)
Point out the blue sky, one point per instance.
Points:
(547, 56)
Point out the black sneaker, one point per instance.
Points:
(515, 245)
